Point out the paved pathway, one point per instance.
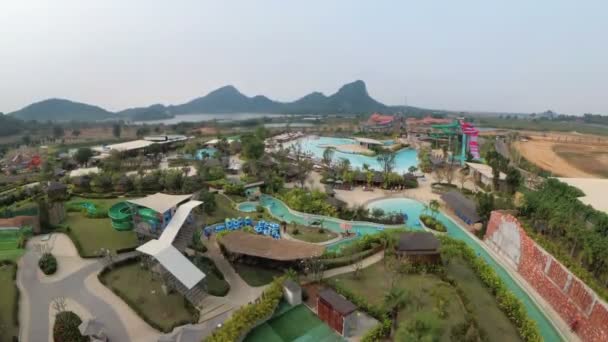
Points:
(37, 297)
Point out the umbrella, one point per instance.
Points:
(346, 225)
(329, 180)
(339, 182)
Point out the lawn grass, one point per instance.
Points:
(255, 276)
(428, 293)
(139, 288)
(214, 279)
(311, 234)
(91, 235)
(223, 210)
(8, 297)
(491, 319)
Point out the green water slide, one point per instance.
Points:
(149, 216)
(121, 216)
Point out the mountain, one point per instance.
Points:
(351, 98)
(62, 110)
(226, 100)
(153, 112)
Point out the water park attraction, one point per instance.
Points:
(150, 215)
(468, 134)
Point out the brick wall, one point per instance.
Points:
(568, 296)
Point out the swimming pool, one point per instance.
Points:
(247, 207)
(316, 145)
(209, 151)
(413, 208)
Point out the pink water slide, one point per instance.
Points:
(471, 132)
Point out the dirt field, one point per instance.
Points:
(567, 159)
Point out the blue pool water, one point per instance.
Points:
(247, 207)
(413, 209)
(316, 145)
(210, 151)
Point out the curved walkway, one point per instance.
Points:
(37, 296)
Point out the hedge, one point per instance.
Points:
(17, 293)
(507, 301)
(251, 315)
(330, 263)
(136, 308)
(66, 328)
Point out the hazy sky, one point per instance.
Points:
(519, 56)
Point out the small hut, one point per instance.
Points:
(419, 247)
(338, 312)
(292, 292)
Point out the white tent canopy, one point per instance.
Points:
(160, 202)
(168, 256)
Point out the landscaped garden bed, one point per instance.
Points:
(9, 301)
(214, 279)
(255, 275)
(432, 223)
(310, 234)
(141, 289)
(66, 328)
(48, 263)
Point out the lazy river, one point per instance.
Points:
(316, 145)
(413, 209)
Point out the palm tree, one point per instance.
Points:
(395, 300)
(434, 206)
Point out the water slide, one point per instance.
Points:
(121, 216)
(471, 132)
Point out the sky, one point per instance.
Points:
(507, 56)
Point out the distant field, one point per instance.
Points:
(591, 159)
(566, 159)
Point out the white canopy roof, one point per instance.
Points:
(160, 202)
(125, 146)
(168, 256)
(485, 170)
(369, 141)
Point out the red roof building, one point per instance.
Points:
(381, 123)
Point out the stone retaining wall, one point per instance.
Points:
(568, 295)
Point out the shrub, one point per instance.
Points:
(295, 231)
(249, 316)
(433, 223)
(259, 208)
(321, 230)
(66, 328)
(48, 264)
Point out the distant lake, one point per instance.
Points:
(210, 117)
(291, 124)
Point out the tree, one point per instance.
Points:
(47, 171)
(83, 155)
(328, 155)
(462, 178)
(394, 300)
(425, 326)
(253, 147)
(116, 130)
(26, 139)
(513, 179)
(358, 266)
(75, 132)
(113, 162)
(439, 175)
(303, 164)
(485, 206)
(313, 267)
(434, 206)
(58, 131)
(412, 169)
(386, 159)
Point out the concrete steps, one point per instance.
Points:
(212, 307)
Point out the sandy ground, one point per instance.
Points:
(71, 305)
(542, 154)
(137, 329)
